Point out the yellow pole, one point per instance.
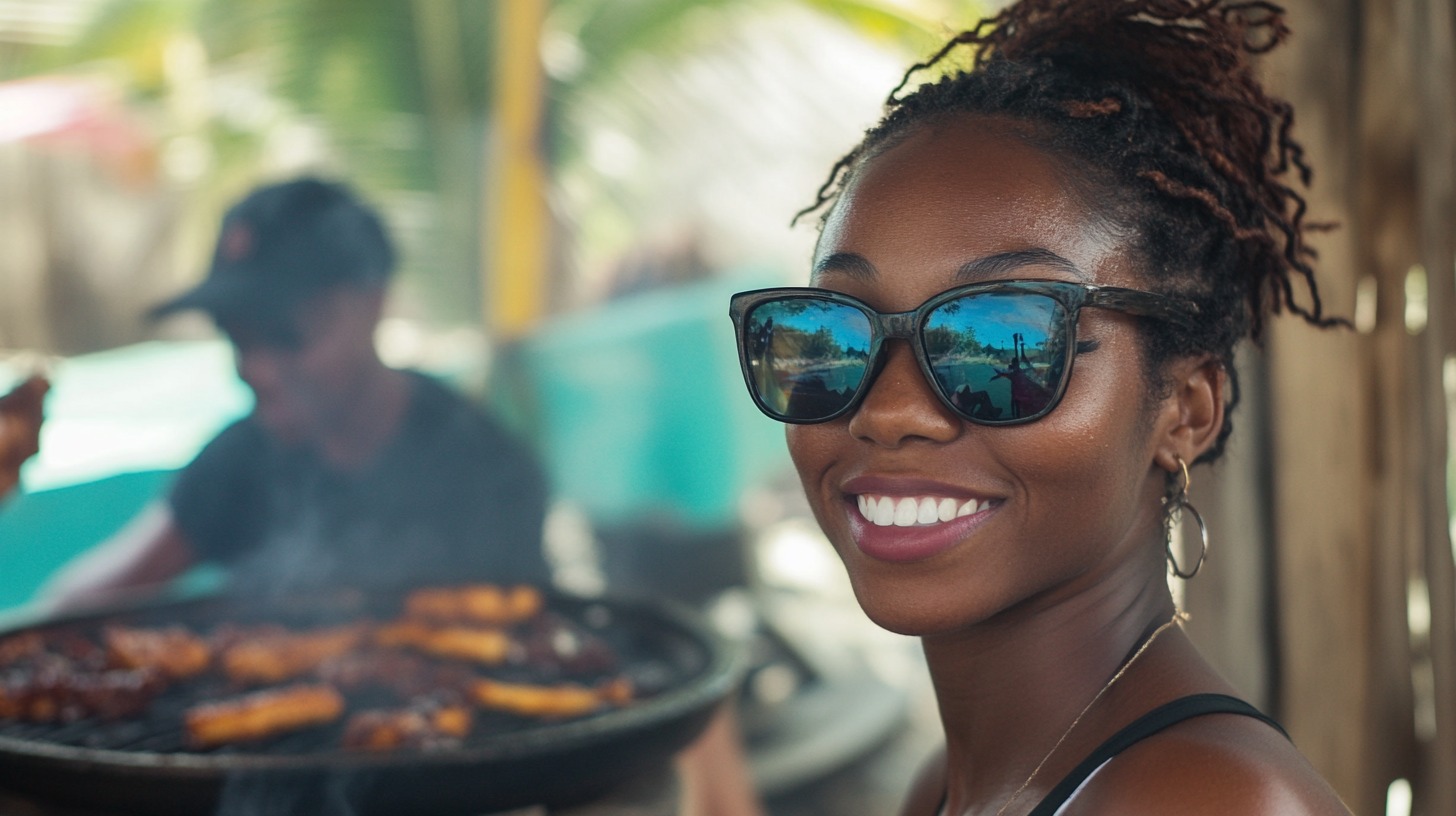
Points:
(517, 237)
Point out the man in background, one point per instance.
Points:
(347, 472)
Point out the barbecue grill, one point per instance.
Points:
(143, 764)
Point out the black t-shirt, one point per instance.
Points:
(452, 498)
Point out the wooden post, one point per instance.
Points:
(1360, 421)
(1433, 57)
(517, 247)
(1323, 445)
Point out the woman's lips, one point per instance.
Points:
(902, 528)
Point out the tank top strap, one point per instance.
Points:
(1160, 718)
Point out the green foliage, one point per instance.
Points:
(404, 90)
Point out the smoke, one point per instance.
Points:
(323, 534)
(246, 793)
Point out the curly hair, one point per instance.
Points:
(1156, 105)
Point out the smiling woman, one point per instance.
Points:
(1033, 273)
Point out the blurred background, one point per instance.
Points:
(578, 185)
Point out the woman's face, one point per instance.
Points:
(1062, 503)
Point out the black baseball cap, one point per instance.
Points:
(284, 243)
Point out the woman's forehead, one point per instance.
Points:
(958, 190)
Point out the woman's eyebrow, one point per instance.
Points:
(848, 263)
(993, 266)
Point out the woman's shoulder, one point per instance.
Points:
(1212, 764)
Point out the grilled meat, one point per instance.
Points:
(406, 675)
(174, 652)
(565, 700)
(428, 659)
(475, 604)
(553, 646)
(425, 724)
(275, 656)
(262, 714)
(54, 689)
(486, 646)
(19, 648)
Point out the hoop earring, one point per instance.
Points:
(1176, 506)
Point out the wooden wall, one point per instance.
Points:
(1329, 595)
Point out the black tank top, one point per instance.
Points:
(1164, 716)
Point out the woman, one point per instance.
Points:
(1075, 231)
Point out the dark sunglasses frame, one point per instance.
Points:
(908, 326)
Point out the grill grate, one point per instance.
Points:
(680, 670)
(656, 661)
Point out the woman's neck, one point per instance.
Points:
(1009, 688)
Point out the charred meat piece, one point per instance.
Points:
(424, 724)
(406, 675)
(174, 652)
(485, 646)
(565, 700)
(474, 604)
(66, 646)
(19, 648)
(262, 714)
(553, 646)
(56, 690)
(272, 656)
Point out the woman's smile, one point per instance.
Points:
(900, 520)
(915, 540)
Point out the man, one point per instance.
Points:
(347, 472)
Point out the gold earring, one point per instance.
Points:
(1176, 506)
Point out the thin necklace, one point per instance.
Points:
(1177, 616)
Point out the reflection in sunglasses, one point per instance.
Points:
(996, 353)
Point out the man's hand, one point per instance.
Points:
(21, 415)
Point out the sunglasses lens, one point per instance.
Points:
(998, 357)
(806, 357)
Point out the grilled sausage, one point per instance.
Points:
(262, 714)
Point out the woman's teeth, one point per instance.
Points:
(887, 511)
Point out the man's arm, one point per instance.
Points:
(21, 415)
(141, 558)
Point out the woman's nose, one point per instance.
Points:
(902, 405)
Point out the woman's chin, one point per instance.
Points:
(918, 605)
(904, 613)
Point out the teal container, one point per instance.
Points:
(639, 409)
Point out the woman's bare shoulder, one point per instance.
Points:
(1215, 764)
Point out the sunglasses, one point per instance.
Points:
(997, 353)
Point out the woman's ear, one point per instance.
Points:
(1192, 414)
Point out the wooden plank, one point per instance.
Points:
(1433, 61)
(1323, 446)
(1385, 233)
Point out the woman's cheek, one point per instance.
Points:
(809, 451)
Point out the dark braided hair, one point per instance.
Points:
(1157, 107)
